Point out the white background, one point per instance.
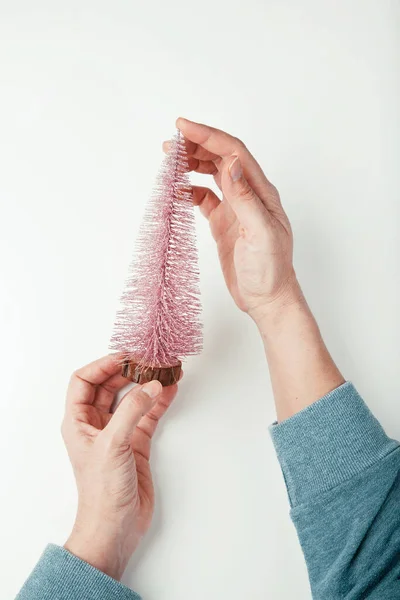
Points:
(88, 90)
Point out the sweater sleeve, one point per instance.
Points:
(59, 575)
(342, 475)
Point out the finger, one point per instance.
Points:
(197, 152)
(148, 423)
(105, 392)
(142, 436)
(193, 150)
(206, 199)
(202, 166)
(82, 386)
(217, 179)
(136, 403)
(225, 145)
(250, 211)
(210, 139)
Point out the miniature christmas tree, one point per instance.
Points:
(158, 324)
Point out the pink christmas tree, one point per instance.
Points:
(159, 321)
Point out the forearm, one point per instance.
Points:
(342, 477)
(301, 368)
(340, 468)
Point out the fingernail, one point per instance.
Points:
(235, 169)
(152, 389)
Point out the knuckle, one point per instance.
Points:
(74, 376)
(274, 190)
(245, 193)
(114, 444)
(239, 144)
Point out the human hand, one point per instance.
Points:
(250, 227)
(110, 454)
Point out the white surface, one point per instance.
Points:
(88, 90)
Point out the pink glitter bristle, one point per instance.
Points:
(159, 320)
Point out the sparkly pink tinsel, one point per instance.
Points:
(159, 322)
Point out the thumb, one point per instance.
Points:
(136, 403)
(250, 211)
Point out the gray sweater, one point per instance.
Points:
(342, 474)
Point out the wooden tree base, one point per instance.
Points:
(165, 375)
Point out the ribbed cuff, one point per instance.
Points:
(327, 443)
(61, 575)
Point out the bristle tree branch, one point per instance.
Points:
(158, 324)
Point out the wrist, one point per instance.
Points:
(271, 311)
(107, 547)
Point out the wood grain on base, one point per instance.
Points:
(165, 375)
